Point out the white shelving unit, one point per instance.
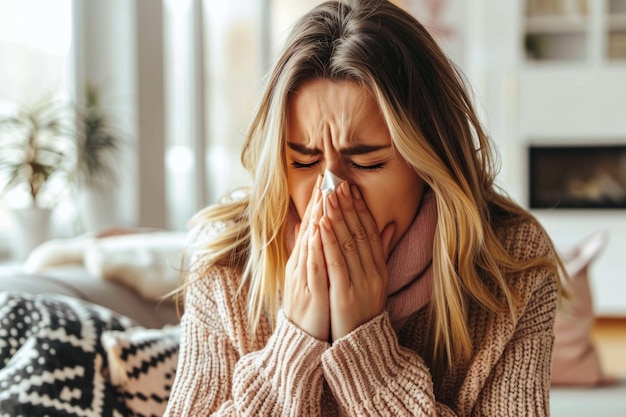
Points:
(574, 30)
(616, 24)
(571, 90)
(556, 30)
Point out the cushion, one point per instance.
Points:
(575, 360)
(142, 365)
(148, 262)
(52, 362)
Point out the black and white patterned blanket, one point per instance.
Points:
(52, 362)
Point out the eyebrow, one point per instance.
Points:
(350, 151)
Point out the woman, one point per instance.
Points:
(416, 288)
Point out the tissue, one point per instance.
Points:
(330, 182)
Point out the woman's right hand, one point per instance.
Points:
(305, 299)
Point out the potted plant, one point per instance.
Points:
(35, 152)
(46, 148)
(97, 146)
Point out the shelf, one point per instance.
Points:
(616, 31)
(556, 46)
(556, 24)
(617, 6)
(573, 31)
(617, 21)
(616, 45)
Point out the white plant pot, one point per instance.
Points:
(97, 209)
(31, 228)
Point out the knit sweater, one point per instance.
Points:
(224, 370)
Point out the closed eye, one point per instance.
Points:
(368, 167)
(300, 165)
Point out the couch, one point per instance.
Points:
(135, 338)
(87, 327)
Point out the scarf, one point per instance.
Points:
(409, 264)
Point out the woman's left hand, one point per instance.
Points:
(355, 253)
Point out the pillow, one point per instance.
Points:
(142, 365)
(147, 262)
(575, 360)
(51, 359)
(56, 252)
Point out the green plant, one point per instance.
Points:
(97, 143)
(77, 144)
(35, 146)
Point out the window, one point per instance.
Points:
(36, 56)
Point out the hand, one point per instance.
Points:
(355, 254)
(305, 301)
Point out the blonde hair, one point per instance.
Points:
(435, 129)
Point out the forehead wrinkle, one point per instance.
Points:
(346, 109)
(329, 116)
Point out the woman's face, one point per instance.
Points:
(338, 125)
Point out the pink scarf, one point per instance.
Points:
(409, 264)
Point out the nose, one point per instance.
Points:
(333, 160)
(335, 166)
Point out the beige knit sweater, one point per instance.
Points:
(224, 371)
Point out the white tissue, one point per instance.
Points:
(330, 182)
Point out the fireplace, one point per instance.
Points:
(577, 177)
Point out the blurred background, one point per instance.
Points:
(132, 114)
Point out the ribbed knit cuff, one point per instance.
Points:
(365, 366)
(293, 354)
(291, 364)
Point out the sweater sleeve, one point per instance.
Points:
(370, 374)
(519, 383)
(217, 376)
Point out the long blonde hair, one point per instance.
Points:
(435, 129)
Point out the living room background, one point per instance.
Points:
(182, 77)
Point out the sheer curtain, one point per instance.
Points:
(214, 73)
(36, 58)
(233, 45)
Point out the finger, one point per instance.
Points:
(375, 242)
(306, 225)
(354, 215)
(316, 210)
(302, 227)
(348, 230)
(304, 222)
(295, 251)
(338, 278)
(316, 267)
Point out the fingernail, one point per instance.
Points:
(325, 223)
(355, 192)
(332, 199)
(344, 188)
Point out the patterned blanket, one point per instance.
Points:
(53, 361)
